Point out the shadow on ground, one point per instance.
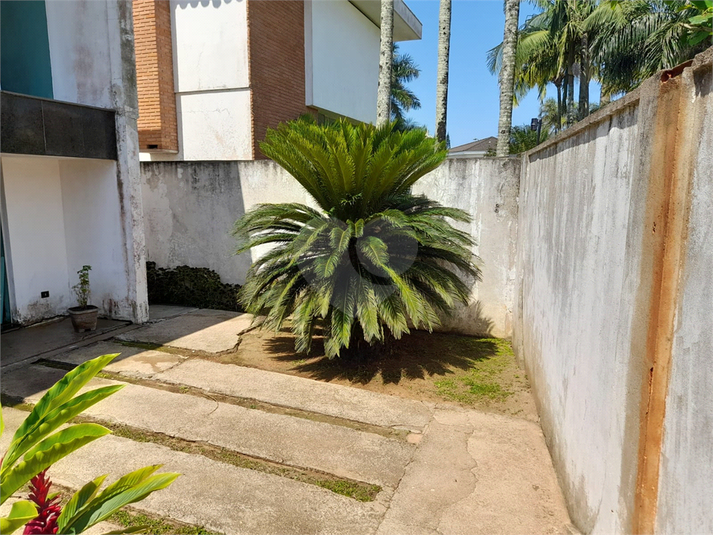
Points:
(416, 356)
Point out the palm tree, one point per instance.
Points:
(553, 47)
(374, 259)
(523, 138)
(404, 70)
(638, 38)
(386, 57)
(507, 75)
(550, 115)
(618, 43)
(444, 48)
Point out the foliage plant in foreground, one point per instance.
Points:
(35, 447)
(374, 259)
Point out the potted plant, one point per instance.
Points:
(84, 316)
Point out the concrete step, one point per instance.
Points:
(305, 394)
(219, 496)
(288, 440)
(212, 331)
(132, 361)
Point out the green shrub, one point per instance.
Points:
(375, 259)
(188, 286)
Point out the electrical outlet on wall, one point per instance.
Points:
(45, 294)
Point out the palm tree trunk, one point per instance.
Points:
(507, 76)
(584, 79)
(570, 90)
(558, 117)
(605, 98)
(386, 59)
(444, 48)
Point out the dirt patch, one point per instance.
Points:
(474, 372)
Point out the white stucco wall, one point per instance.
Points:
(487, 189)
(93, 236)
(35, 237)
(79, 51)
(211, 80)
(341, 60)
(579, 248)
(61, 214)
(191, 208)
(210, 44)
(214, 125)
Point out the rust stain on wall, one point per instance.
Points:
(667, 206)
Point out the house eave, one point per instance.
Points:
(407, 27)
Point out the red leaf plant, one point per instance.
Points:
(48, 508)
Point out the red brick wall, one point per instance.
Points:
(276, 56)
(158, 129)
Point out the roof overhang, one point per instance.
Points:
(406, 26)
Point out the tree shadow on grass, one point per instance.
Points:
(415, 356)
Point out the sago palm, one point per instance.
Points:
(374, 259)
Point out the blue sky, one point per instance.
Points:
(473, 94)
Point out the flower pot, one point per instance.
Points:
(84, 318)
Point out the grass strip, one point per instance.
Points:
(156, 525)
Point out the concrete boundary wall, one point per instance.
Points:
(190, 209)
(613, 307)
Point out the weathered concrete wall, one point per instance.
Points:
(190, 209)
(603, 267)
(685, 500)
(486, 188)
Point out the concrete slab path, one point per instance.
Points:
(34, 341)
(219, 496)
(295, 442)
(305, 394)
(459, 472)
(212, 331)
(477, 473)
(132, 361)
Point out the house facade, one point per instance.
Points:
(70, 192)
(213, 76)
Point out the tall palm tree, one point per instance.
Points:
(444, 49)
(386, 58)
(404, 70)
(507, 76)
(374, 259)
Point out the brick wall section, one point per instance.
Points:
(276, 56)
(158, 129)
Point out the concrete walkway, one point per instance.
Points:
(441, 469)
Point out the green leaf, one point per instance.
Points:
(698, 37)
(63, 391)
(133, 529)
(701, 19)
(129, 489)
(20, 514)
(374, 249)
(55, 419)
(702, 4)
(79, 501)
(46, 453)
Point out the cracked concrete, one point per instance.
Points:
(212, 331)
(476, 473)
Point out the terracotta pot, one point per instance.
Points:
(84, 318)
